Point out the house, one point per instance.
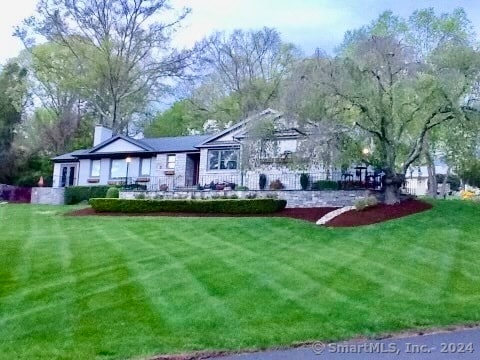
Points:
(416, 178)
(187, 161)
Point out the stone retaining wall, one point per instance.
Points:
(295, 199)
(47, 195)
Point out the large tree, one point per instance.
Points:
(123, 48)
(392, 98)
(424, 32)
(13, 93)
(242, 72)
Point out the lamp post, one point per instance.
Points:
(128, 160)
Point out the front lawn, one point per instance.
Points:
(116, 287)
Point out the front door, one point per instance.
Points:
(68, 175)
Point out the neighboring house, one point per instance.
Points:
(416, 178)
(179, 162)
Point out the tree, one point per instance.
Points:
(13, 93)
(180, 119)
(241, 73)
(54, 76)
(122, 49)
(392, 99)
(424, 32)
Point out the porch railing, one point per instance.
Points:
(288, 181)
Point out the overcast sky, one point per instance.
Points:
(307, 23)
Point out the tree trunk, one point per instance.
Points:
(432, 176)
(392, 184)
(443, 192)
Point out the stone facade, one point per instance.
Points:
(47, 195)
(295, 199)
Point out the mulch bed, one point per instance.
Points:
(352, 218)
(308, 214)
(379, 213)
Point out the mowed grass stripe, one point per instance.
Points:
(129, 287)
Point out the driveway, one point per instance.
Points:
(457, 345)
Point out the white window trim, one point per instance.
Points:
(223, 170)
(174, 163)
(99, 168)
(141, 167)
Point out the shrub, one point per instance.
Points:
(325, 185)
(140, 196)
(365, 203)
(276, 185)
(237, 206)
(262, 181)
(304, 180)
(242, 188)
(76, 194)
(163, 187)
(113, 193)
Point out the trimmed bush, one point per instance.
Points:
(77, 194)
(230, 206)
(113, 193)
(304, 181)
(325, 185)
(262, 181)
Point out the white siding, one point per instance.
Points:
(56, 175)
(119, 145)
(84, 172)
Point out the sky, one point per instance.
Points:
(310, 24)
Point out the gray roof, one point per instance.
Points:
(174, 144)
(156, 145)
(70, 156)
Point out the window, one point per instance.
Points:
(145, 167)
(222, 159)
(171, 162)
(118, 169)
(95, 168)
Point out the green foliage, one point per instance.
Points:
(304, 181)
(113, 193)
(77, 194)
(262, 181)
(30, 170)
(227, 206)
(470, 173)
(453, 180)
(242, 188)
(176, 121)
(365, 203)
(12, 95)
(325, 185)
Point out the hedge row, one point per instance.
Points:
(230, 206)
(76, 194)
